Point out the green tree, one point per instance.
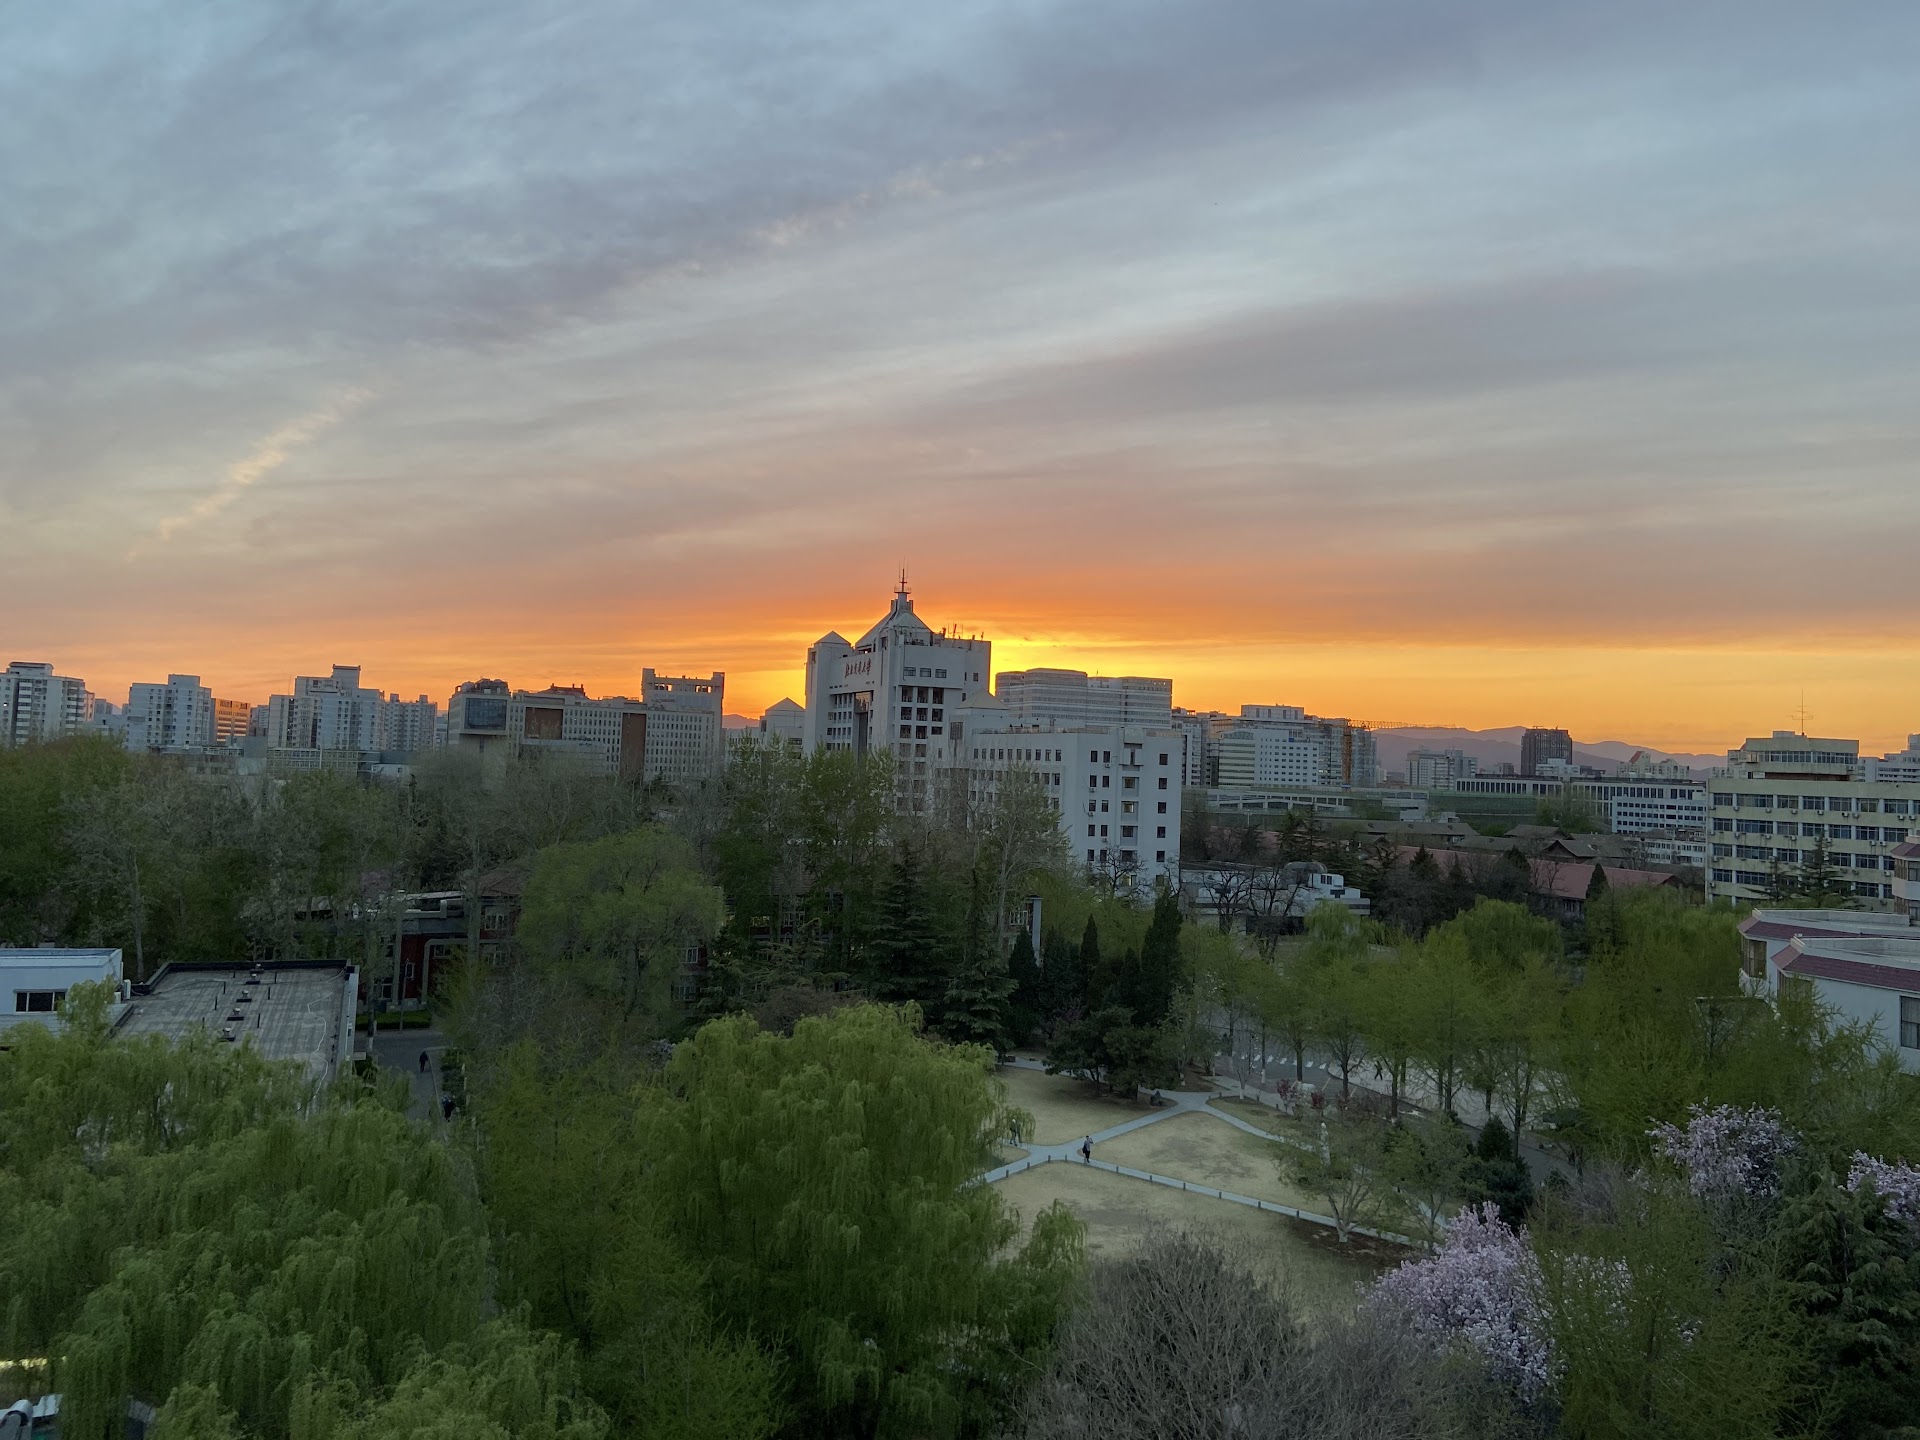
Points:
(618, 916)
(1346, 1167)
(823, 1184)
(1026, 1007)
(1496, 1174)
(1425, 1164)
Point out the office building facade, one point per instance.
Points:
(1783, 798)
(891, 689)
(686, 738)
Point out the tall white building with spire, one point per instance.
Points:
(893, 688)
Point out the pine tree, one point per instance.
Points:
(1027, 1007)
(1818, 885)
(1157, 973)
(1094, 979)
(907, 962)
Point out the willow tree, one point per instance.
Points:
(195, 1227)
(823, 1182)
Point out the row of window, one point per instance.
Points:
(1841, 804)
(38, 1002)
(1839, 859)
(1126, 857)
(1871, 834)
(1759, 880)
(1127, 832)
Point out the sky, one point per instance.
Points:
(1489, 362)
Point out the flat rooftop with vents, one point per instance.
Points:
(287, 1010)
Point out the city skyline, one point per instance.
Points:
(750, 691)
(1497, 364)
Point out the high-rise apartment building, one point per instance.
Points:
(232, 720)
(1073, 697)
(37, 705)
(176, 715)
(686, 727)
(1783, 797)
(337, 713)
(892, 689)
(1540, 745)
(1440, 769)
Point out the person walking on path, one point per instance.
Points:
(1086, 1150)
(423, 1062)
(446, 1107)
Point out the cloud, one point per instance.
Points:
(266, 457)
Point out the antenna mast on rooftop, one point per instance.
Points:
(902, 591)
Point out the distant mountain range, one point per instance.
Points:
(1502, 746)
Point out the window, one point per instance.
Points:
(939, 674)
(1163, 782)
(1103, 832)
(1160, 832)
(1093, 757)
(38, 1002)
(1129, 782)
(1090, 832)
(1910, 1022)
(1723, 824)
(1840, 832)
(1161, 856)
(1722, 800)
(1163, 807)
(1107, 756)
(1163, 757)
(1106, 781)
(1092, 805)
(1127, 832)
(1723, 877)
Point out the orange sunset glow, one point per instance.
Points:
(1581, 395)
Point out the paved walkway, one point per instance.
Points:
(1173, 1102)
(400, 1050)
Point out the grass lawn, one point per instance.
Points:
(1005, 1154)
(1198, 1147)
(1120, 1212)
(1062, 1107)
(1304, 1127)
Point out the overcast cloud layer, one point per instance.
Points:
(555, 340)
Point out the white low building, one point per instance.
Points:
(34, 983)
(1863, 980)
(1254, 897)
(785, 725)
(1115, 788)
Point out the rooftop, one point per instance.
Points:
(1879, 962)
(1835, 924)
(290, 1010)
